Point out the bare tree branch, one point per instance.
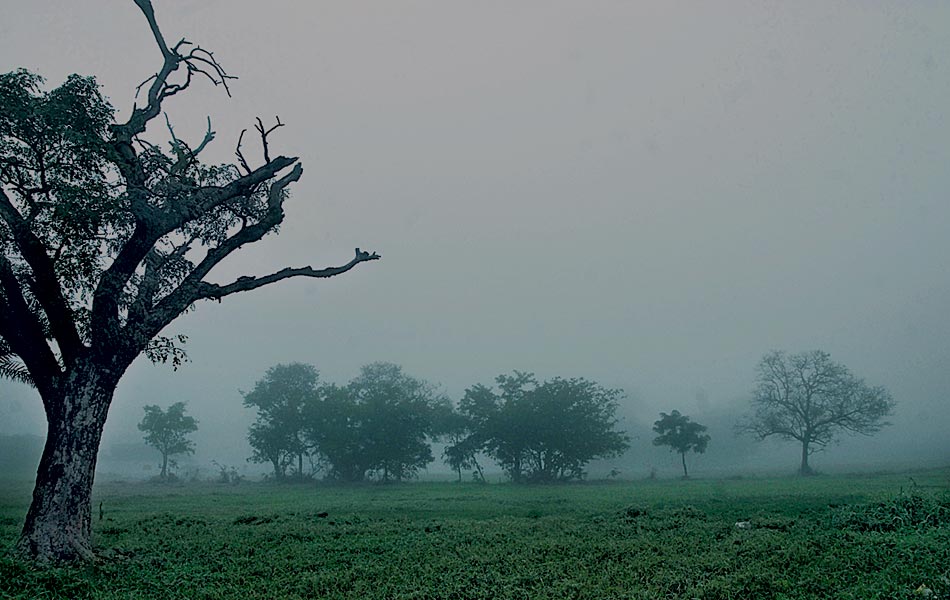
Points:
(264, 133)
(240, 155)
(244, 284)
(185, 155)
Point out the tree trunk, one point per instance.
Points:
(58, 526)
(685, 474)
(478, 468)
(164, 465)
(805, 469)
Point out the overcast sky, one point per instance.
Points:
(650, 194)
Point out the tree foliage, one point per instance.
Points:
(167, 431)
(809, 398)
(680, 434)
(543, 432)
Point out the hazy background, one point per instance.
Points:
(648, 194)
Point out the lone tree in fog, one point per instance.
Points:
(809, 398)
(166, 431)
(282, 398)
(680, 434)
(106, 239)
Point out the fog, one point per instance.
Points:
(651, 195)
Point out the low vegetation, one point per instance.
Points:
(869, 536)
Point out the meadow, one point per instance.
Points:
(858, 536)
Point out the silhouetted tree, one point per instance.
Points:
(462, 444)
(809, 398)
(378, 424)
(498, 420)
(547, 431)
(397, 412)
(106, 239)
(167, 431)
(282, 398)
(680, 434)
(334, 428)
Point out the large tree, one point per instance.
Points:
(167, 431)
(544, 432)
(397, 422)
(681, 434)
(500, 421)
(334, 429)
(281, 399)
(379, 424)
(106, 239)
(809, 398)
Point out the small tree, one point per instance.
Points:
(166, 431)
(680, 434)
(809, 398)
(281, 398)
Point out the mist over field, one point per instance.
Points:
(651, 195)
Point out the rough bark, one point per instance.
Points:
(58, 526)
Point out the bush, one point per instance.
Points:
(914, 510)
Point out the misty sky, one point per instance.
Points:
(650, 194)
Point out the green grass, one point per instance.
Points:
(871, 536)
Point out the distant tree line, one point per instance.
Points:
(381, 425)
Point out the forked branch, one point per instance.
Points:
(264, 132)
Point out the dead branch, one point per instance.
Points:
(186, 156)
(243, 284)
(264, 133)
(240, 155)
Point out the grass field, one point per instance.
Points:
(867, 536)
